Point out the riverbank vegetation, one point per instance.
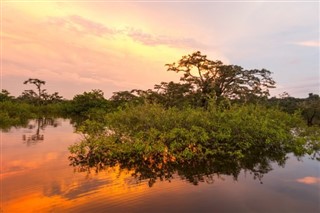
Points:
(216, 111)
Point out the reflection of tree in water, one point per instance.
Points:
(76, 121)
(39, 124)
(164, 166)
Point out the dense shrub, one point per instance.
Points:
(242, 132)
(13, 114)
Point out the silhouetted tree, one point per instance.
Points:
(213, 79)
(41, 96)
(38, 83)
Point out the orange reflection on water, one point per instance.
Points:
(66, 190)
(309, 180)
(38, 178)
(19, 166)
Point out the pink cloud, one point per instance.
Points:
(84, 26)
(153, 40)
(81, 25)
(78, 53)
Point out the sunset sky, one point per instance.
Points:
(77, 46)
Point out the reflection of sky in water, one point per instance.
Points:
(309, 180)
(39, 178)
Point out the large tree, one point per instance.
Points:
(215, 79)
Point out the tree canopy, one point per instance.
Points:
(215, 79)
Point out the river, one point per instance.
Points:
(36, 176)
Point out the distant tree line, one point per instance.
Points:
(203, 82)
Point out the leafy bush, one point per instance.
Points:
(13, 114)
(150, 131)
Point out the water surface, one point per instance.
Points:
(36, 176)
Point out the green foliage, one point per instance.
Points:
(250, 122)
(174, 94)
(286, 104)
(29, 96)
(122, 98)
(310, 108)
(148, 137)
(88, 103)
(15, 114)
(5, 96)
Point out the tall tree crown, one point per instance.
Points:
(215, 79)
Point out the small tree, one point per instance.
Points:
(41, 96)
(38, 83)
(83, 103)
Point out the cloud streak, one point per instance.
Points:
(311, 43)
(153, 40)
(80, 25)
(83, 26)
